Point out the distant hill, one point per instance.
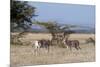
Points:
(83, 30)
(41, 29)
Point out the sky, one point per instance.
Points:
(65, 13)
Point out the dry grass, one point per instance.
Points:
(24, 55)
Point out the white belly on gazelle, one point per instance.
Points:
(37, 45)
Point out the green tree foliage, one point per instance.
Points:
(55, 28)
(21, 14)
(52, 27)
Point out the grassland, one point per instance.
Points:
(24, 55)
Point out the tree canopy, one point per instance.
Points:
(54, 28)
(21, 14)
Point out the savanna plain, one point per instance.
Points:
(23, 55)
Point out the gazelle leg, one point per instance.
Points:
(79, 47)
(76, 48)
(70, 48)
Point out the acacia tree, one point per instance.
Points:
(21, 14)
(50, 26)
